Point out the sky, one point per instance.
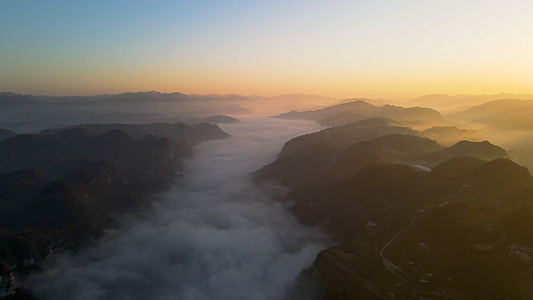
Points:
(343, 49)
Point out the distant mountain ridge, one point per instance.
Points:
(447, 103)
(30, 113)
(375, 102)
(481, 150)
(504, 113)
(181, 131)
(415, 116)
(506, 122)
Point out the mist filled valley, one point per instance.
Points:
(214, 235)
(350, 200)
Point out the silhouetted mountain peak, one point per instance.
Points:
(504, 171)
(414, 116)
(477, 149)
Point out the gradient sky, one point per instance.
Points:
(375, 48)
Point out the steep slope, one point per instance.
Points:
(386, 149)
(481, 150)
(406, 231)
(404, 238)
(344, 136)
(55, 155)
(314, 170)
(303, 162)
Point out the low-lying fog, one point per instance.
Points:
(214, 236)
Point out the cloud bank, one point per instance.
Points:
(214, 236)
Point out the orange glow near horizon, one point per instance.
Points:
(388, 49)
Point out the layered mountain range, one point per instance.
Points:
(413, 218)
(346, 113)
(419, 208)
(30, 113)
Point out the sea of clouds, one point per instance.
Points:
(215, 235)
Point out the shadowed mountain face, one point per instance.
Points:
(150, 159)
(482, 150)
(59, 190)
(5, 134)
(389, 148)
(180, 131)
(388, 143)
(312, 165)
(310, 169)
(55, 155)
(405, 229)
(415, 117)
(40, 217)
(344, 136)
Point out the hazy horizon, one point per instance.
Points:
(381, 49)
(394, 101)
